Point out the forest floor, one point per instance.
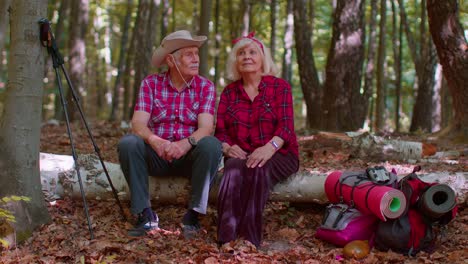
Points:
(289, 228)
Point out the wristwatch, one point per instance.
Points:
(275, 145)
(192, 141)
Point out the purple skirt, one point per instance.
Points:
(243, 194)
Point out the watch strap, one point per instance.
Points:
(274, 144)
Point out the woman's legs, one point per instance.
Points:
(243, 195)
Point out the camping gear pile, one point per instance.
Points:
(373, 206)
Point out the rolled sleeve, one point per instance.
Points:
(285, 127)
(145, 97)
(208, 97)
(221, 130)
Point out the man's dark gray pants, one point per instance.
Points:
(138, 160)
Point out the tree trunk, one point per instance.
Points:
(64, 12)
(166, 10)
(344, 68)
(173, 8)
(196, 16)
(234, 27)
(397, 47)
(20, 123)
(120, 67)
(246, 9)
(273, 21)
(77, 46)
(447, 106)
(423, 108)
(370, 65)
(380, 101)
(452, 49)
(204, 30)
(310, 83)
(145, 36)
(217, 44)
(288, 40)
(4, 5)
(129, 70)
(437, 100)
(59, 180)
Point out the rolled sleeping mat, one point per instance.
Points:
(437, 200)
(382, 201)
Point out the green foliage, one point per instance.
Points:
(6, 216)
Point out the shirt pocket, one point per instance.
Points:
(159, 111)
(267, 111)
(190, 114)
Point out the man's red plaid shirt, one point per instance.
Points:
(174, 114)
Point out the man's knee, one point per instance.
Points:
(209, 145)
(131, 143)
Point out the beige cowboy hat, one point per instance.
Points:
(174, 41)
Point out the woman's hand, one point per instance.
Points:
(234, 151)
(260, 156)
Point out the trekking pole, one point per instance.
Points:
(48, 40)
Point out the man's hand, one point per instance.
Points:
(159, 145)
(175, 150)
(234, 151)
(260, 156)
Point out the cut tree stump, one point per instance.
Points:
(59, 179)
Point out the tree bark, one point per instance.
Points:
(344, 68)
(141, 55)
(4, 5)
(370, 65)
(446, 101)
(59, 180)
(380, 101)
(20, 124)
(121, 64)
(79, 19)
(288, 40)
(437, 99)
(64, 12)
(166, 10)
(452, 49)
(397, 58)
(273, 21)
(310, 83)
(204, 30)
(246, 9)
(423, 108)
(217, 44)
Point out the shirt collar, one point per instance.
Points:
(168, 81)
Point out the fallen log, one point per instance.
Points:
(371, 147)
(59, 179)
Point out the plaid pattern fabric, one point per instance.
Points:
(252, 124)
(174, 114)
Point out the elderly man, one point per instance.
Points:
(172, 127)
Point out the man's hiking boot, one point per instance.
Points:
(191, 231)
(147, 220)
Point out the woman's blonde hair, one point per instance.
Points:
(269, 67)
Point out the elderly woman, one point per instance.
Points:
(255, 123)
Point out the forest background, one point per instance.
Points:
(353, 64)
(385, 77)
